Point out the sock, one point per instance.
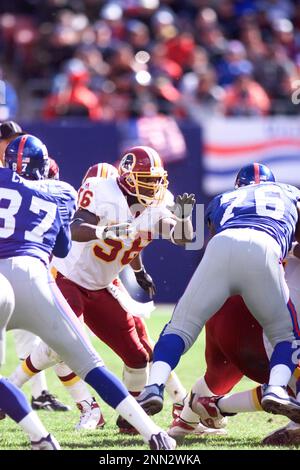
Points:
(241, 402)
(21, 375)
(134, 379)
(280, 375)
(135, 415)
(13, 401)
(169, 349)
(38, 384)
(175, 389)
(159, 373)
(41, 358)
(107, 385)
(24, 372)
(281, 364)
(73, 384)
(202, 388)
(32, 425)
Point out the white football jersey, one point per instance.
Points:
(95, 264)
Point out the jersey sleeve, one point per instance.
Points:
(87, 195)
(67, 202)
(210, 209)
(63, 242)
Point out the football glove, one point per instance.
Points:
(183, 206)
(146, 282)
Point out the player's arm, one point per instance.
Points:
(179, 228)
(85, 227)
(142, 277)
(296, 250)
(63, 242)
(208, 218)
(178, 232)
(66, 209)
(211, 228)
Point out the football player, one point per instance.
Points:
(137, 199)
(24, 340)
(26, 343)
(36, 213)
(174, 387)
(12, 400)
(251, 227)
(236, 346)
(134, 379)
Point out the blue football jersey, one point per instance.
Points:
(268, 207)
(34, 216)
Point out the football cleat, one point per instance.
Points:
(289, 435)
(46, 443)
(91, 416)
(177, 409)
(162, 441)
(276, 400)
(2, 415)
(208, 411)
(47, 401)
(180, 428)
(151, 398)
(125, 427)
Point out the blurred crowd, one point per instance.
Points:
(116, 59)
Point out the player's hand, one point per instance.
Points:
(119, 231)
(146, 282)
(183, 206)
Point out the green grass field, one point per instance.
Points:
(244, 431)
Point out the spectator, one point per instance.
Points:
(8, 100)
(9, 130)
(245, 97)
(118, 39)
(74, 98)
(201, 95)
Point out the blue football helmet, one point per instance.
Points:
(254, 173)
(27, 156)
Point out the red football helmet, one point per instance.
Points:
(141, 174)
(101, 170)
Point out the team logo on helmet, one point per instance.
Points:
(127, 162)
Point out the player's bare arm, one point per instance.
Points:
(142, 277)
(296, 250)
(85, 227)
